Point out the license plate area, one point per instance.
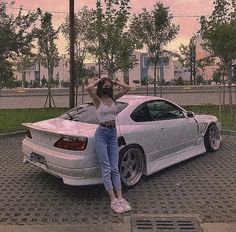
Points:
(36, 158)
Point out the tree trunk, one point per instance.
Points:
(1, 84)
(229, 74)
(50, 78)
(155, 79)
(50, 74)
(147, 89)
(126, 76)
(224, 90)
(161, 78)
(234, 94)
(23, 79)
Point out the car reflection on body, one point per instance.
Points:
(153, 133)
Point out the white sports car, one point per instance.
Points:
(153, 133)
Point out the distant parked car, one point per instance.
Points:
(154, 133)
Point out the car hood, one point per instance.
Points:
(61, 126)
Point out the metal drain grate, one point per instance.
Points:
(165, 225)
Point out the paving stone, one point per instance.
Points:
(204, 185)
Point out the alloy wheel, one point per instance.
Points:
(131, 166)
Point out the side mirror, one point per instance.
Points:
(190, 114)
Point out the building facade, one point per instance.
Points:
(136, 76)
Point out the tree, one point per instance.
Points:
(48, 54)
(112, 42)
(219, 36)
(155, 29)
(220, 73)
(23, 62)
(185, 56)
(43, 81)
(179, 81)
(199, 79)
(6, 72)
(82, 30)
(16, 37)
(216, 77)
(16, 34)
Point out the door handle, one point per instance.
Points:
(163, 129)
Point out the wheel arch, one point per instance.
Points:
(208, 125)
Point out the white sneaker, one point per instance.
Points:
(125, 204)
(116, 207)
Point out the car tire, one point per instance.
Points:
(212, 138)
(131, 163)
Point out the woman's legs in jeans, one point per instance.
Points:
(113, 155)
(107, 150)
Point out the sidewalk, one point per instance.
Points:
(224, 161)
(126, 227)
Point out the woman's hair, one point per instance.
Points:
(99, 91)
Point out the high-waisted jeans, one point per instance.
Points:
(106, 146)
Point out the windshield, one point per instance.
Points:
(87, 113)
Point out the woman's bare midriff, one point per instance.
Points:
(109, 123)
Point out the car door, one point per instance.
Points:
(144, 131)
(175, 130)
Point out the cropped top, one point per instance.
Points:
(106, 113)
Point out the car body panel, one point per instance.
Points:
(163, 143)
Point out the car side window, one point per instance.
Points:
(87, 113)
(164, 110)
(141, 114)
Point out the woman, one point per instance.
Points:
(106, 144)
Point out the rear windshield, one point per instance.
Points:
(87, 113)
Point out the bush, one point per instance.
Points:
(199, 79)
(65, 84)
(12, 83)
(179, 81)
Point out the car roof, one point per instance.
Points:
(134, 99)
(137, 98)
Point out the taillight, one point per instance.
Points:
(70, 143)
(28, 133)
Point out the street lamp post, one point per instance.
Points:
(72, 56)
(161, 75)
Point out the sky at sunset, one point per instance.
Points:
(179, 8)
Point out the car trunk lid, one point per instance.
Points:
(49, 131)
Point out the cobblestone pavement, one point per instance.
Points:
(204, 185)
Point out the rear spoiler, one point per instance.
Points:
(32, 126)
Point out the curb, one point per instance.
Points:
(66, 228)
(124, 227)
(11, 134)
(228, 132)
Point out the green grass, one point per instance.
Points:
(11, 119)
(228, 122)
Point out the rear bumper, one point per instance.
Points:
(70, 175)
